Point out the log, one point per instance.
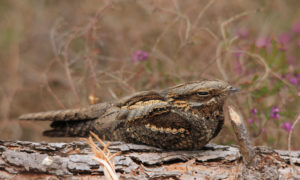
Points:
(41, 160)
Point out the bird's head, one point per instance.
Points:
(201, 92)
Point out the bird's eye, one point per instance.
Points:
(202, 93)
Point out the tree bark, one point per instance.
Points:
(32, 160)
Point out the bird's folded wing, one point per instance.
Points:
(139, 96)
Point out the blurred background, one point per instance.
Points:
(59, 54)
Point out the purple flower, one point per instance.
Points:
(253, 111)
(284, 38)
(139, 56)
(296, 27)
(263, 130)
(250, 120)
(293, 80)
(286, 126)
(243, 33)
(288, 75)
(299, 94)
(263, 42)
(275, 113)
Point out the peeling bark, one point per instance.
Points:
(31, 160)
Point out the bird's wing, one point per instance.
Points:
(143, 109)
(155, 113)
(139, 96)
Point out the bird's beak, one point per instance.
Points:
(233, 89)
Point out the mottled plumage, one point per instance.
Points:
(186, 116)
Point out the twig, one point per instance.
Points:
(260, 60)
(67, 69)
(121, 81)
(49, 89)
(64, 63)
(185, 17)
(290, 142)
(242, 136)
(163, 33)
(57, 100)
(209, 32)
(224, 42)
(234, 18)
(218, 60)
(89, 35)
(52, 39)
(202, 12)
(179, 14)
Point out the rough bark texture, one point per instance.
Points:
(30, 160)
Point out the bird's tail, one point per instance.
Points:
(70, 128)
(70, 123)
(86, 113)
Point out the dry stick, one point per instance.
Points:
(218, 60)
(122, 82)
(177, 18)
(290, 142)
(167, 28)
(242, 136)
(193, 26)
(91, 27)
(52, 39)
(64, 63)
(49, 89)
(164, 32)
(67, 69)
(185, 17)
(234, 18)
(209, 32)
(202, 12)
(182, 16)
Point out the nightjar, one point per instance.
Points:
(183, 117)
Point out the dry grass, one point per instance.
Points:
(104, 157)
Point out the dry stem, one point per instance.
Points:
(104, 157)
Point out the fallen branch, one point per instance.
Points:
(23, 159)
